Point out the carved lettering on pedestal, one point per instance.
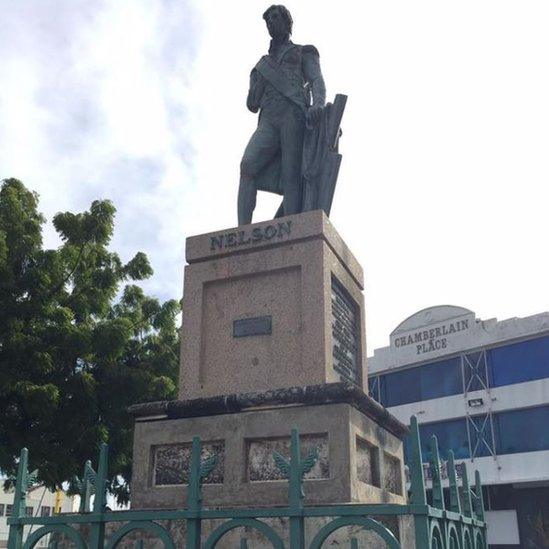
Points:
(345, 334)
(258, 235)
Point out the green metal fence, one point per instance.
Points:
(461, 526)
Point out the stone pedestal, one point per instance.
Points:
(358, 442)
(272, 339)
(271, 305)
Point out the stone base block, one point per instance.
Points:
(270, 305)
(359, 444)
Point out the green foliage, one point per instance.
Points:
(73, 357)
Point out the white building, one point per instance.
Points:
(482, 387)
(40, 502)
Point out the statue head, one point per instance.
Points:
(279, 21)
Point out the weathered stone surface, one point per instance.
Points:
(392, 474)
(262, 466)
(249, 437)
(291, 229)
(171, 463)
(367, 463)
(284, 279)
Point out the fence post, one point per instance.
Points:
(194, 497)
(438, 494)
(480, 506)
(15, 538)
(87, 487)
(97, 534)
(455, 505)
(297, 527)
(417, 488)
(479, 498)
(295, 469)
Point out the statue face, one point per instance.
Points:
(276, 24)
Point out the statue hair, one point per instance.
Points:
(285, 14)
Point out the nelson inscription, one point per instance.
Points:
(257, 235)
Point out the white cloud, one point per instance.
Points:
(443, 189)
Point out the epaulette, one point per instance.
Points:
(310, 49)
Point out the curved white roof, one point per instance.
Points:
(431, 315)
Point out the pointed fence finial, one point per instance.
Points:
(417, 478)
(479, 498)
(466, 493)
(15, 537)
(438, 494)
(455, 505)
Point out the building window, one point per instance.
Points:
(373, 387)
(29, 511)
(451, 435)
(480, 431)
(45, 511)
(1, 509)
(475, 371)
(425, 382)
(8, 510)
(514, 431)
(522, 430)
(441, 379)
(401, 387)
(519, 362)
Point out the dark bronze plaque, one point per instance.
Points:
(258, 325)
(345, 334)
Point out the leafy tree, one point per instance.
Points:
(73, 357)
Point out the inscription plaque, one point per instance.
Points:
(258, 325)
(345, 334)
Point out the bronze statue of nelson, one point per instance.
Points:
(288, 89)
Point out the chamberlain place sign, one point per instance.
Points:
(430, 338)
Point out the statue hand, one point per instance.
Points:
(313, 114)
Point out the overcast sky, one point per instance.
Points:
(443, 191)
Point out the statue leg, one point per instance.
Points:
(261, 149)
(291, 144)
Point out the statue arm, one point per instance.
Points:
(257, 86)
(313, 75)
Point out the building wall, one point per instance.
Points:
(482, 387)
(40, 501)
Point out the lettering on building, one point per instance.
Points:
(432, 339)
(257, 235)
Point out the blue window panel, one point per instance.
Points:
(373, 387)
(401, 387)
(474, 370)
(519, 362)
(425, 382)
(441, 379)
(482, 444)
(451, 435)
(522, 430)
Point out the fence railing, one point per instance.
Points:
(460, 526)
